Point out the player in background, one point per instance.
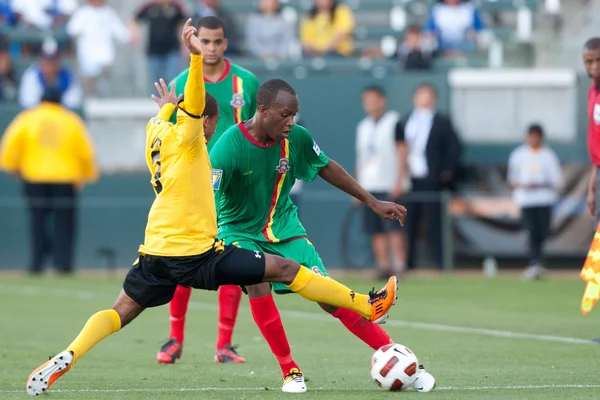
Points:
(235, 90)
(180, 245)
(591, 62)
(255, 165)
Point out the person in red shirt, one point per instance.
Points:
(591, 61)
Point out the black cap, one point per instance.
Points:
(52, 95)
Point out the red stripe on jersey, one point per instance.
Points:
(224, 75)
(267, 230)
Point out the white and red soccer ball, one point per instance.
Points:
(394, 367)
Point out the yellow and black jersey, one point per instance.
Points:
(182, 220)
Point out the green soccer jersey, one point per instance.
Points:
(252, 183)
(235, 93)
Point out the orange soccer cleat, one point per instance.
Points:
(46, 374)
(382, 300)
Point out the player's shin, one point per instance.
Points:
(269, 323)
(97, 328)
(178, 309)
(372, 334)
(322, 289)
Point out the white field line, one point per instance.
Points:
(87, 294)
(255, 389)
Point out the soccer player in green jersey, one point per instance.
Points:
(235, 90)
(255, 164)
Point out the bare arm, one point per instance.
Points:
(335, 175)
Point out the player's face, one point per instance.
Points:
(213, 45)
(210, 126)
(324, 5)
(591, 61)
(279, 118)
(374, 104)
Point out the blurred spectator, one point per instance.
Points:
(268, 34)
(328, 30)
(535, 175)
(164, 18)
(213, 8)
(49, 73)
(5, 68)
(411, 54)
(427, 141)
(95, 27)
(48, 147)
(376, 171)
(7, 17)
(43, 14)
(454, 24)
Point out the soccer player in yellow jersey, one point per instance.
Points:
(180, 246)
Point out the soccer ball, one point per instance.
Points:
(394, 367)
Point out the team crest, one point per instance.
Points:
(237, 101)
(317, 270)
(284, 166)
(217, 176)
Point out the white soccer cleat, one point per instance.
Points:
(425, 382)
(46, 374)
(294, 382)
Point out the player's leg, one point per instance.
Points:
(38, 203)
(305, 253)
(229, 297)
(173, 349)
(267, 318)
(243, 267)
(373, 226)
(146, 285)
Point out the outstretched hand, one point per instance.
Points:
(188, 36)
(166, 96)
(389, 210)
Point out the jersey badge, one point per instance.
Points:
(237, 101)
(217, 175)
(284, 166)
(316, 148)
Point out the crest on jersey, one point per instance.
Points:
(237, 101)
(284, 166)
(217, 175)
(317, 270)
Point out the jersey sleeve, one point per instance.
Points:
(309, 157)
(223, 168)
(189, 119)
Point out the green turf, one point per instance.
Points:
(41, 316)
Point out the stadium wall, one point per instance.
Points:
(113, 211)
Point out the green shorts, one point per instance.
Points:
(300, 250)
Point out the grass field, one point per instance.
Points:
(481, 339)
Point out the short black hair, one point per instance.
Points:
(536, 129)
(211, 107)
(211, 23)
(375, 89)
(268, 91)
(592, 44)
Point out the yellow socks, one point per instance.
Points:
(98, 327)
(322, 289)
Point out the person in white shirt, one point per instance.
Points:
(43, 14)
(535, 175)
(95, 27)
(376, 171)
(430, 149)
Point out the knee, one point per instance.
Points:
(288, 270)
(328, 308)
(257, 291)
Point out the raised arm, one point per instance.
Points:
(193, 94)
